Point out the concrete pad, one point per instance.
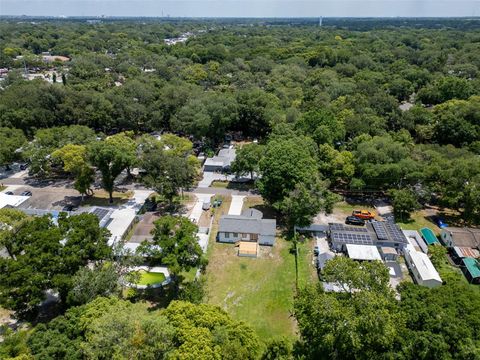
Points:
(20, 175)
(236, 205)
(209, 177)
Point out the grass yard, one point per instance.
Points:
(417, 221)
(150, 278)
(258, 291)
(242, 186)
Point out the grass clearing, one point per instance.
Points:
(258, 291)
(242, 186)
(417, 221)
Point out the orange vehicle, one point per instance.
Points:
(363, 214)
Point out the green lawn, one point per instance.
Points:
(101, 198)
(258, 291)
(233, 185)
(150, 278)
(417, 221)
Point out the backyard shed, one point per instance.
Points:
(429, 236)
(422, 268)
(463, 237)
(248, 249)
(389, 253)
(471, 269)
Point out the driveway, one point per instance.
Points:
(197, 208)
(236, 205)
(209, 177)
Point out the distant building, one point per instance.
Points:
(220, 162)
(52, 58)
(249, 226)
(422, 269)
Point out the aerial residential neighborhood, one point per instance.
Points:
(239, 188)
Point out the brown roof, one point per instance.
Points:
(467, 252)
(465, 237)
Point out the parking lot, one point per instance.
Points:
(47, 198)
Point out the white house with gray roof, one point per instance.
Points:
(220, 162)
(249, 226)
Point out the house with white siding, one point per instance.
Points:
(249, 226)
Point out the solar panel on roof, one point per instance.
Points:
(380, 230)
(100, 213)
(341, 227)
(352, 238)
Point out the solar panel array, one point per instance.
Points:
(380, 230)
(341, 227)
(352, 238)
(396, 233)
(100, 213)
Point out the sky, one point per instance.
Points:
(243, 8)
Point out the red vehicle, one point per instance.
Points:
(363, 214)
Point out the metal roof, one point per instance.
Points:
(429, 236)
(363, 252)
(422, 263)
(473, 266)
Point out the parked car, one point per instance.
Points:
(206, 205)
(8, 193)
(363, 214)
(26, 193)
(316, 250)
(353, 220)
(69, 207)
(441, 223)
(217, 203)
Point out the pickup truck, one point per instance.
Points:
(363, 214)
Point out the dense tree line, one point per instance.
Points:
(367, 322)
(353, 105)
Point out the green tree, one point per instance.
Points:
(247, 159)
(110, 160)
(166, 172)
(287, 161)
(44, 256)
(11, 140)
(438, 255)
(175, 244)
(88, 284)
(322, 126)
(304, 202)
(404, 203)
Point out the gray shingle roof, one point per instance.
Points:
(243, 224)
